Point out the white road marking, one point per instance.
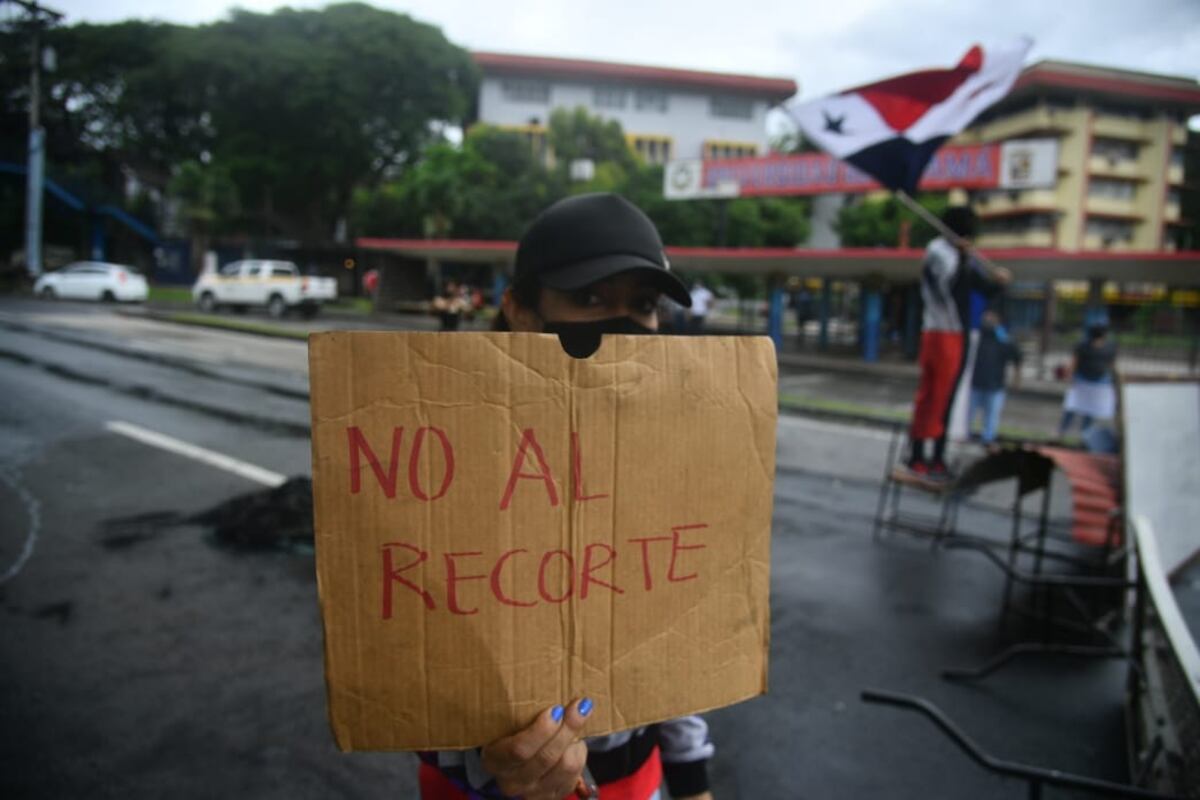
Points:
(33, 510)
(210, 457)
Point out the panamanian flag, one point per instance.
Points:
(891, 129)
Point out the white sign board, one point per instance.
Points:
(683, 179)
(1029, 164)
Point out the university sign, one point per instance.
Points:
(1017, 164)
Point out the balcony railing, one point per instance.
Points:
(1030, 200)
(1003, 239)
(1117, 168)
(1121, 128)
(1112, 207)
(1036, 120)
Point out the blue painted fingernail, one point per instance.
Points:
(556, 713)
(585, 706)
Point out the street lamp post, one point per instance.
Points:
(39, 17)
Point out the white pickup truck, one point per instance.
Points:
(277, 285)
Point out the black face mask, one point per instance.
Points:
(581, 339)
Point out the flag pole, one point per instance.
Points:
(924, 213)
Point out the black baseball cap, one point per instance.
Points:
(589, 237)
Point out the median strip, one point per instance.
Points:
(220, 323)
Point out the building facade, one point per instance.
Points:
(1121, 138)
(665, 113)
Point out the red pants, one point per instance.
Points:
(941, 364)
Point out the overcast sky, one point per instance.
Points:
(825, 46)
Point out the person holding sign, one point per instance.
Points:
(588, 265)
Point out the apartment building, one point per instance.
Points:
(665, 113)
(1121, 139)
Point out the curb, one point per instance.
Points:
(250, 328)
(908, 372)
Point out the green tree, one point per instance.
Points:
(679, 222)
(297, 107)
(470, 201)
(311, 104)
(877, 222)
(576, 134)
(207, 201)
(489, 188)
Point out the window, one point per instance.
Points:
(651, 149)
(1177, 158)
(231, 268)
(525, 91)
(731, 107)
(281, 272)
(1110, 231)
(1115, 150)
(1112, 189)
(609, 97)
(1173, 197)
(1018, 224)
(255, 270)
(650, 100)
(714, 149)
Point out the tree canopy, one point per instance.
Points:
(492, 185)
(876, 222)
(295, 108)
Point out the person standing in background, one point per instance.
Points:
(992, 357)
(702, 300)
(802, 304)
(449, 307)
(1092, 395)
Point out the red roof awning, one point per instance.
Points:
(848, 263)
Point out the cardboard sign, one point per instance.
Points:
(501, 527)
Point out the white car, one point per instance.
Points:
(276, 285)
(93, 280)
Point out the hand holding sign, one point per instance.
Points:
(546, 759)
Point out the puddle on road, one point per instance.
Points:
(278, 519)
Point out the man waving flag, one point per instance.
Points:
(891, 129)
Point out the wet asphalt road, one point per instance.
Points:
(140, 660)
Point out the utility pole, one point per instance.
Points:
(38, 18)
